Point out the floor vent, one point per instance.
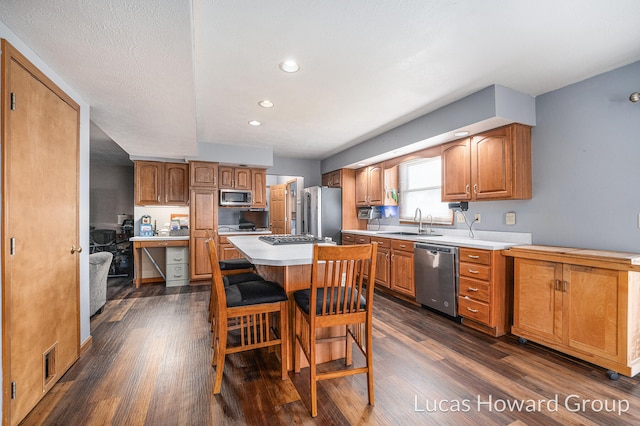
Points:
(49, 366)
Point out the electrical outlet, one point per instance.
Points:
(459, 217)
(510, 218)
(477, 217)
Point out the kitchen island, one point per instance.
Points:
(290, 266)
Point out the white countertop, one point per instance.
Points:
(260, 253)
(460, 240)
(179, 238)
(230, 232)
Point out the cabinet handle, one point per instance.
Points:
(473, 271)
(466, 189)
(472, 310)
(557, 285)
(564, 286)
(473, 257)
(472, 289)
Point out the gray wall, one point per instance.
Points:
(111, 193)
(308, 169)
(586, 179)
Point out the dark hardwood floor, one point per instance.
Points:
(149, 364)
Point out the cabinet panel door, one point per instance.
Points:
(203, 222)
(491, 168)
(402, 277)
(456, 176)
(382, 267)
(203, 174)
(225, 177)
(259, 187)
(376, 185)
(362, 187)
(176, 183)
(242, 178)
(538, 299)
(592, 310)
(148, 182)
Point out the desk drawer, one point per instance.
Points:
(177, 255)
(177, 272)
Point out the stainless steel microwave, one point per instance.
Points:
(235, 197)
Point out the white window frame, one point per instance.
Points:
(428, 191)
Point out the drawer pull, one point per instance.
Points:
(473, 256)
(177, 275)
(472, 289)
(472, 271)
(177, 259)
(475, 311)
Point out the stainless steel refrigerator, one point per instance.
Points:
(322, 212)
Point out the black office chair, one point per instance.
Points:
(102, 240)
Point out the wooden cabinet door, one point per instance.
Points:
(259, 187)
(362, 187)
(382, 266)
(176, 184)
(149, 178)
(203, 174)
(592, 311)
(376, 185)
(538, 299)
(332, 179)
(456, 172)
(225, 177)
(402, 276)
(491, 165)
(242, 178)
(203, 222)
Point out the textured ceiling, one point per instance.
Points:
(161, 76)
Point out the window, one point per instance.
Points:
(420, 187)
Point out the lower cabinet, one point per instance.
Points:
(585, 306)
(383, 261)
(226, 250)
(482, 290)
(402, 276)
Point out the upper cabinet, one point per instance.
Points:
(370, 185)
(495, 165)
(332, 179)
(234, 177)
(375, 185)
(159, 183)
(259, 188)
(203, 174)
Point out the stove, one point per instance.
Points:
(280, 239)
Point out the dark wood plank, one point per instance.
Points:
(150, 363)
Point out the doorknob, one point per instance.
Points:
(75, 249)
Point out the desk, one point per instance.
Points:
(290, 266)
(140, 243)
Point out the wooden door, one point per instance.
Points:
(537, 298)
(226, 177)
(376, 185)
(259, 188)
(203, 174)
(203, 223)
(278, 209)
(242, 178)
(40, 301)
(592, 309)
(176, 184)
(362, 187)
(491, 168)
(148, 182)
(456, 171)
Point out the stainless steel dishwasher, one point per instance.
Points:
(436, 277)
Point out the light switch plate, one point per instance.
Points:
(459, 217)
(510, 218)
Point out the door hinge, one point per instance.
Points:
(12, 248)
(13, 390)
(13, 101)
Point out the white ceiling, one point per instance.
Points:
(161, 76)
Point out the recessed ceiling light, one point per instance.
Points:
(289, 66)
(266, 103)
(459, 134)
(255, 123)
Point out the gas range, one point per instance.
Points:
(279, 239)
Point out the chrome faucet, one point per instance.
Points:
(430, 229)
(417, 216)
